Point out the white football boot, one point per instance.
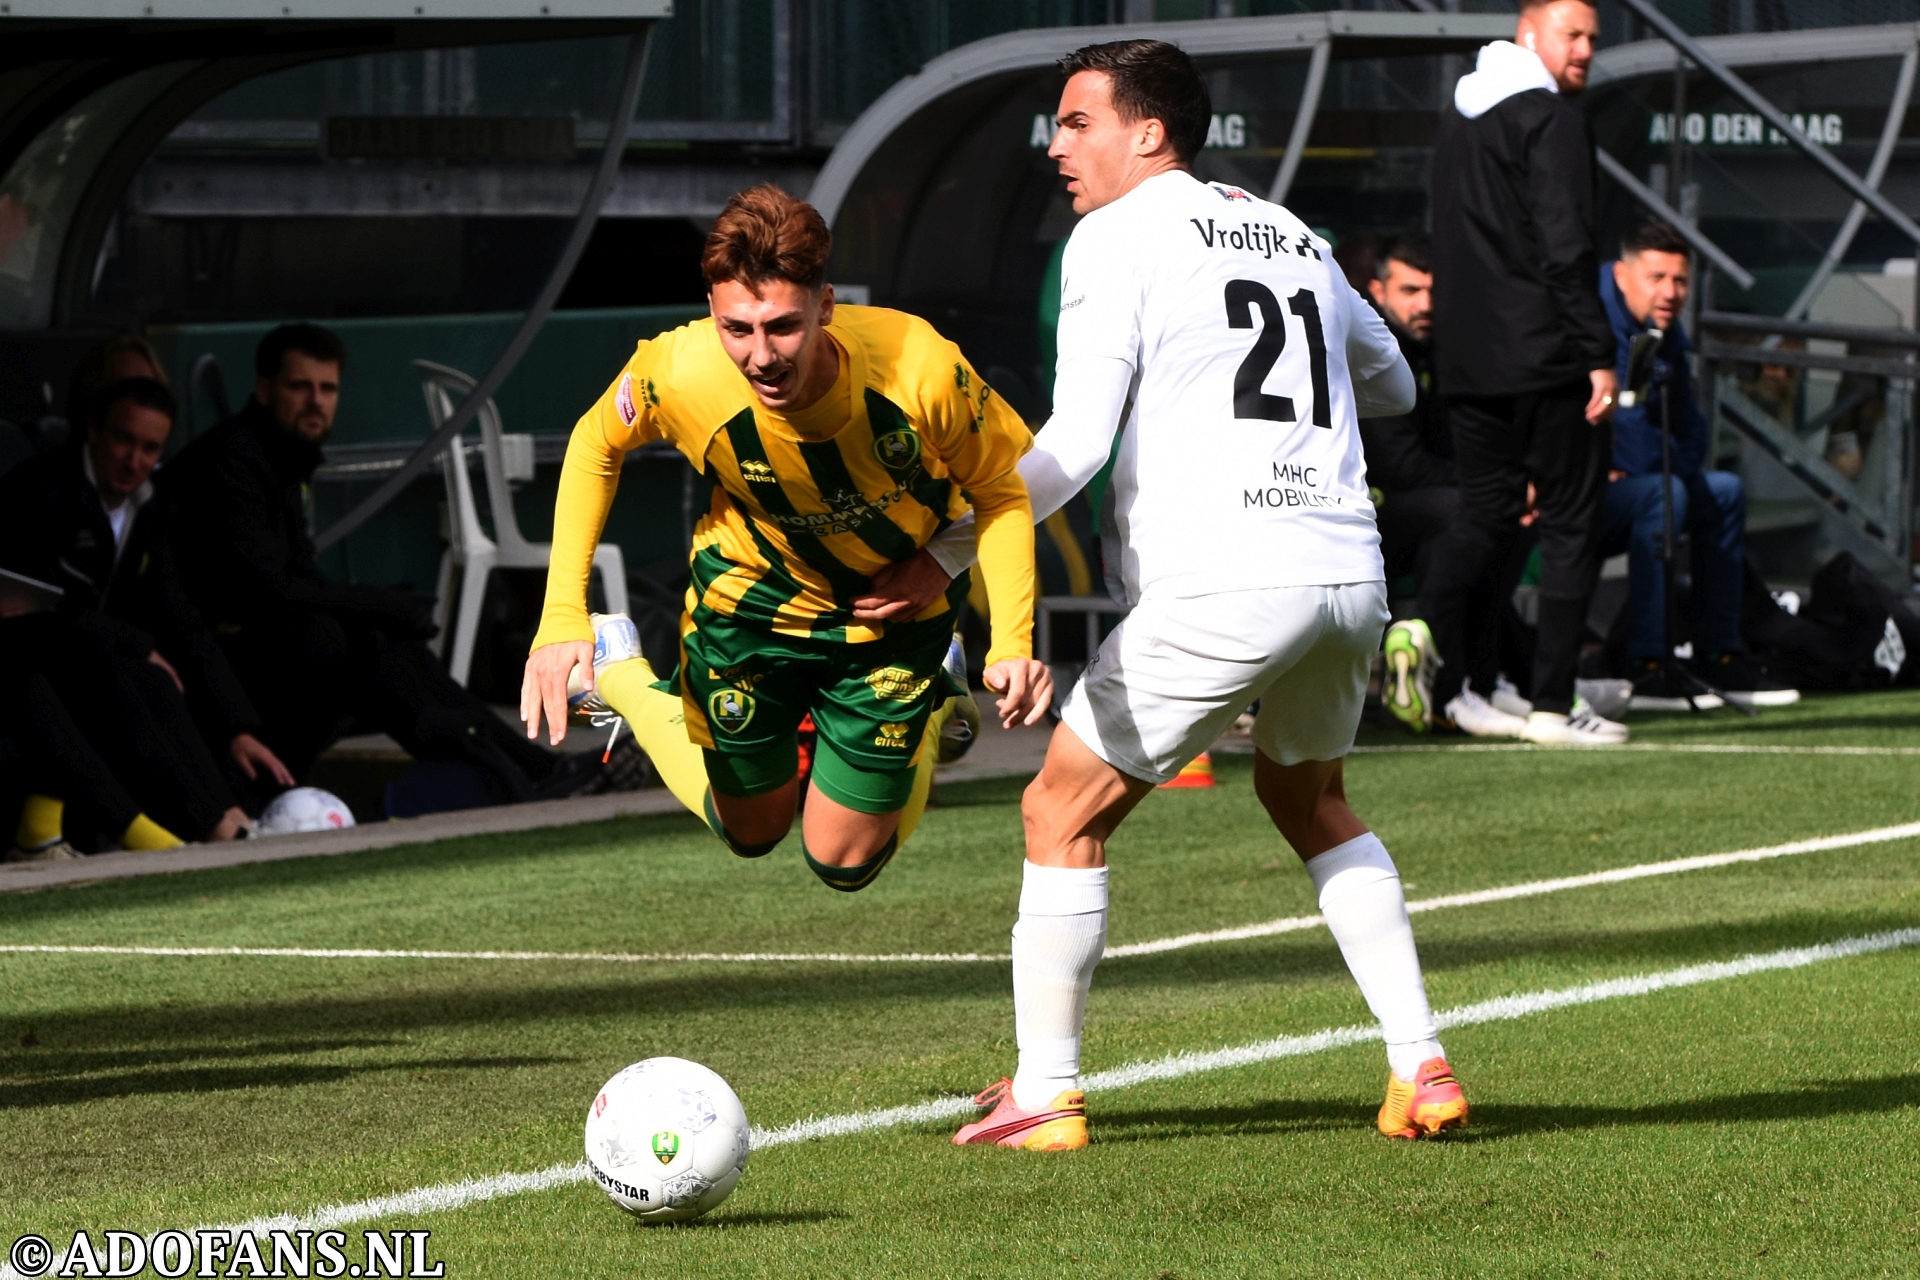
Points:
(615, 639)
(958, 717)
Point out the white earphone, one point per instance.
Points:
(1530, 43)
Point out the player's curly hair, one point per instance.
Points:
(766, 234)
(1151, 80)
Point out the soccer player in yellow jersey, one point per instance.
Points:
(839, 440)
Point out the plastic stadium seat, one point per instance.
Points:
(468, 546)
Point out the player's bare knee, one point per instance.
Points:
(1048, 815)
(847, 851)
(1294, 795)
(755, 820)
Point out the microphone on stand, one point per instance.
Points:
(1641, 354)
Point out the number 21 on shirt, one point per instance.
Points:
(1244, 298)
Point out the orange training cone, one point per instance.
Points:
(1198, 772)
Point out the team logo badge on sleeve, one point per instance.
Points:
(623, 400)
(898, 450)
(730, 709)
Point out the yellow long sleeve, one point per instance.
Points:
(1006, 562)
(619, 421)
(982, 441)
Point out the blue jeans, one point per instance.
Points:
(1712, 506)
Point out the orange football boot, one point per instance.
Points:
(1059, 1126)
(1424, 1108)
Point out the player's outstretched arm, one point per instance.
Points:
(619, 421)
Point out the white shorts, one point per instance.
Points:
(1177, 672)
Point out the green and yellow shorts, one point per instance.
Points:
(747, 688)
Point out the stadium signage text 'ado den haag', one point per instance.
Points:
(1738, 129)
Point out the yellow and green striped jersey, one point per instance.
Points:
(807, 506)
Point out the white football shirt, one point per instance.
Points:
(1239, 462)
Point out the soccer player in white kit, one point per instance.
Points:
(1215, 334)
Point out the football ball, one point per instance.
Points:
(305, 809)
(666, 1140)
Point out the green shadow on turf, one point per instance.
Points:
(45, 1061)
(1282, 1115)
(66, 1091)
(1811, 1102)
(1495, 1122)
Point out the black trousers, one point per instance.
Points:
(111, 730)
(315, 676)
(1501, 444)
(1412, 523)
(1414, 528)
(57, 760)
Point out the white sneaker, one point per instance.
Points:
(1473, 714)
(1507, 698)
(1583, 728)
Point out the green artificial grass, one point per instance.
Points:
(1761, 1125)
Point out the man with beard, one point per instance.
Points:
(320, 658)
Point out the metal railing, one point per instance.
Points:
(1832, 404)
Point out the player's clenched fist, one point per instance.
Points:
(545, 687)
(1025, 687)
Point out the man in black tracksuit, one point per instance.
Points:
(317, 657)
(126, 654)
(1524, 355)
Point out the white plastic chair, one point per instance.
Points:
(469, 549)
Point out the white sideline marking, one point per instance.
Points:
(457, 1195)
(1289, 924)
(1534, 888)
(604, 957)
(1698, 748)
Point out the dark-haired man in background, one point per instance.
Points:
(1524, 354)
(126, 642)
(317, 657)
(1410, 455)
(1646, 290)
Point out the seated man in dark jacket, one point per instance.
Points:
(317, 657)
(125, 644)
(1417, 491)
(1644, 290)
(1410, 456)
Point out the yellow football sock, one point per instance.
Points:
(40, 819)
(658, 723)
(144, 833)
(916, 806)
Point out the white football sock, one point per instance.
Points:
(1366, 911)
(1060, 936)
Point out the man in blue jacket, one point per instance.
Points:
(1645, 289)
